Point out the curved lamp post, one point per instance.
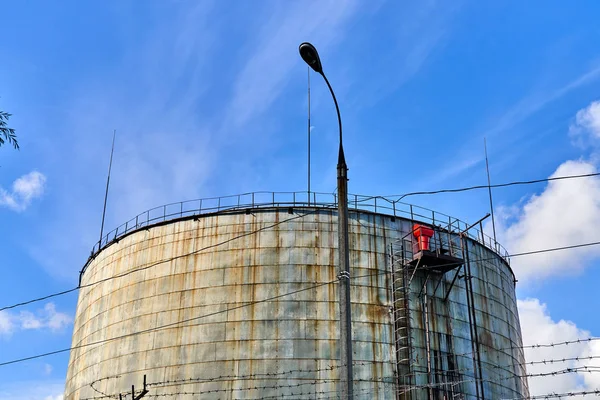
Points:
(309, 54)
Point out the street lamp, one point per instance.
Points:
(309, 54)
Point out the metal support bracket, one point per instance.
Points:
(343, 275)
(139, 396)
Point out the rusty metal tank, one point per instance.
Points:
(236, 298)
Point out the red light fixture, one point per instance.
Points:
(422, 233)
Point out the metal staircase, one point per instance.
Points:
(401, 273)
(410, 256)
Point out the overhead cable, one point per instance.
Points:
(498, 185)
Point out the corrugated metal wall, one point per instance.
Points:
(213, 273)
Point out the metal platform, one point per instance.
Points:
(435, 261)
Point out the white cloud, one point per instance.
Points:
(539, 328)
(46, 318)
(29, 321)
(566, 213)
(32, 390)
(586, 126)
(55, 320)
(24, 190)
(6, 323)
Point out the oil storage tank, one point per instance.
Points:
(237, 298)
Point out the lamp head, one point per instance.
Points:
(309, 54)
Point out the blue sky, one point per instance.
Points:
(209, 98)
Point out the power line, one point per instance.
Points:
(155, 263)
(362, 200)
(39, 299)
(464, 189)
(246, 304)
(265, 300)
(165, 326)
(256, 231)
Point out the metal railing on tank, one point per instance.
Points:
(254, 200)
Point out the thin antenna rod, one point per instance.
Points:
(308, 68)
(487, 167)
(107, 183)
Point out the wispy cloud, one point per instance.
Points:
(32, 390)
(273, 56)
(47, 318)
(48, 369)
(535, 102)
(518, 113)
(24, 190)
(163, 150)
(415, 32)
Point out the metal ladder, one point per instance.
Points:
(402, 321)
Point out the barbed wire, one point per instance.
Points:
(555, 395)
(310, 381)
(255, 387)
(101, 392)
(531, 346)
(251, 376)
(281, 375)
(566, 359)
